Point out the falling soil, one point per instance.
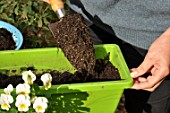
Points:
(6, 40)
(72, 36)
(103, 71)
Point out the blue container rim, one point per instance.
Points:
(16, 34)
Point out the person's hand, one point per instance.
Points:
(156, 62)
(48, 1)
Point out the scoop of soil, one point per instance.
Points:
(72, 36)
(6, 40)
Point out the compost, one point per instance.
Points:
(6, 40)
(72, 36)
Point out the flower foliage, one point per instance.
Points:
(31, 17)
(25, 95)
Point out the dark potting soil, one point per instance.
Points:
(103, 71)
(6, 40)
(72, 36)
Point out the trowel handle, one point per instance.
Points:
(58, 7)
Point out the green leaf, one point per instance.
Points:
(3, 7)
(16, 10)
(48, 95)
(4, 16)
(36, 87)
(40, 8)
(40, 22)
(46, 28)
(31, 20)
(13, 110)
(10, 20)
(46, 22)
(29, 8)
(35, 4)
(2, 2)
(24, 12)
(30, 3)
(45, 14)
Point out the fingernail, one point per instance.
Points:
(133, 73)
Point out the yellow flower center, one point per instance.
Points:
(48, 85)
(29, 79)
(7, 93)
(22, 106)
(24, 93)
(4, 106)
(39, 108)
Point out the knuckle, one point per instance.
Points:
(165, 71)
(150, 85)
(141, 69)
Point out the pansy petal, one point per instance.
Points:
(28, 77)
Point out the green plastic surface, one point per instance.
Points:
(92, 97)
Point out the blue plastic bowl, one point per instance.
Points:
(16, 34)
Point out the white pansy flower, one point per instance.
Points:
(9, 89)
(40, 104)
(23, 103)
(46, 78)
(5, 101)
(23, 89)
(29, 77)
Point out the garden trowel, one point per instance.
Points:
(72, 36)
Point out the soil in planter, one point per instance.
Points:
(103, 71)
(6, 40)
(72, 36)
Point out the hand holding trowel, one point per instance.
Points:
(72, 36)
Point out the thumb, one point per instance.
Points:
(145, 66)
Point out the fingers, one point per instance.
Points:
(151, 82)
(153, 88)
(142, 69)
(148, 89)
(145, 83)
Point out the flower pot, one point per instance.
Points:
(16, 34)
(91, 97)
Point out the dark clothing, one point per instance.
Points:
(138, 22)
